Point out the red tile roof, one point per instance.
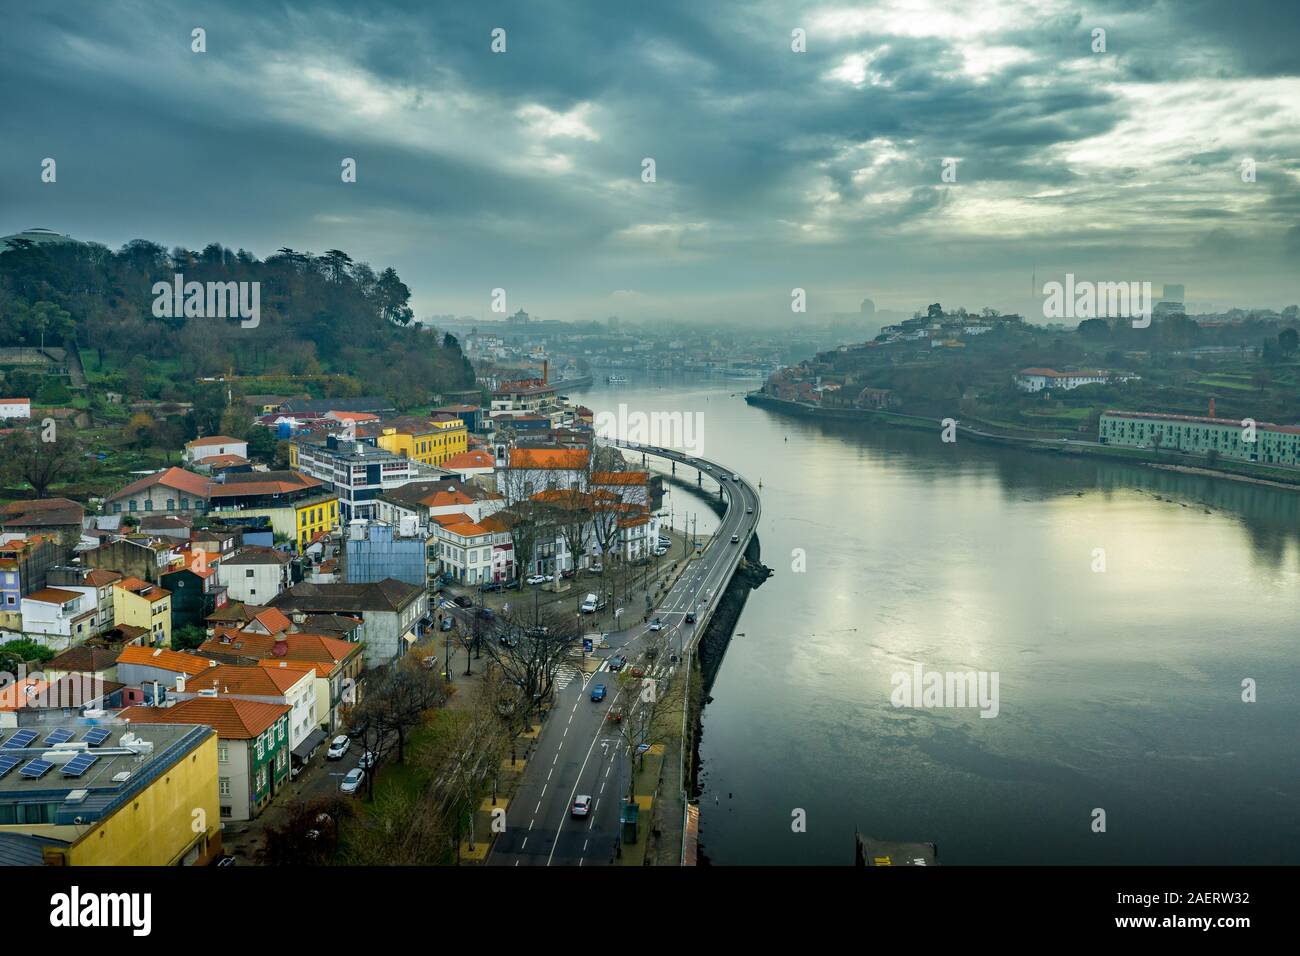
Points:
(214, 440)
(569, 458)
(164, 659)
(176, 478)
(231, 718)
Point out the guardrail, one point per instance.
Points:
(704, 617)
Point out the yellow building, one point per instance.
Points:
(146, 605)
(429, 441)
(314, 516)
(144, 795)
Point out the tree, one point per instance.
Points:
(391, 298)
(23, 651)
(1288, 340)
(531, 645)
(139, 430)
(188, 637)
(28, 457)
(651, 714)
(262, 444)
(309, 834)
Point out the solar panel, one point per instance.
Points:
(79, 765)
(20, 739)
(7, 763)
(37, 769)
(96, 736)
(58, 736)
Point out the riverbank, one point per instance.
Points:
(1165, 460)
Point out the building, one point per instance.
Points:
(629, 487)
(58, 618)
(428, 441)
(375, 551)
(338, 664)
(255, 575)
(157, 669)
(470, 552)
(470, 415)
(215, 446)
(468, 464)
(84, 660)
(195, 593)
(526, 397)
(97, 585)
(419, 503)
(1205, 436)
(172, 491)
(300, 507)
(143, 794)
(1040, 379)
(530, 470)
(146, 605)
(252, 747)
(140, 557)
(393, 614)
(59, 518)
(11, 408)
(356, 471)
(292, 687)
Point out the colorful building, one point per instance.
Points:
(428, 441)
(1197, 435)
(146, 605)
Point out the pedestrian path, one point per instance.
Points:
(565, 676)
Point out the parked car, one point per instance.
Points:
(589, 604)
(581, 805)
(596, 568)
(568, 574)
(660, 552)
(338, 747)
(690, 617)
(657, 624)
(353, 781)
(616, 663)
(489, 586)
(598, 693)
(368, 760)
(461, 600)
(535, 579)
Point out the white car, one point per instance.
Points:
(368, 760)
(535, 579)
(656, 625)
(353, 781)
(338, 747)
(581, 805)
(596, 568)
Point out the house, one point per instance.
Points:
(1040, 379)
(472, 553)
(251, 756)
(59, 518)
(58, 618)
(215, 446)
(468, 464)
(146, 605)
(356, 471)
(392, 613)
(97, 585)
(292, 687)
(373, 404)
(165, 774)
(420, 502)
(195, 593)
(530, 470)
(176, 527)
(24, 563)
(87, 660)
(255, 575)
(338, 664)
(157, 669)
(15, 408)
(376, 552)
(172, 490)
(140, 557)
(299, 506)
(470, 415)
(629, 487)
(430, 441)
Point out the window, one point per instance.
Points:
(248, 573)
(171, 504)
(223, 753)
(132, 505)
(148, 504)
(223, 786)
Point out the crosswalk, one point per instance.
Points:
(565, 676)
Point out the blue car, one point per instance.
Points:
(598, 692)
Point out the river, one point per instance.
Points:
(1121, 608)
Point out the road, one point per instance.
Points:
(577, 752)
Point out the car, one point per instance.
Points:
(446, 624)
(368, 760)
(489, 586)
(735, 477)
(651, 653)
(548, 578)
(615, 715)
(616, 663)
(535, 579)
(749, 511)
(581, 805)
(568, 574)
(596, 568)
(353, 781)
(690, 617)
(338, 747)
(660, 552)
(461, 600)
(735, 539)
(638, 672)
(657, 624)
(590, 603)
(505, 640)
(486, 613)
(665, 542)
(598, 693)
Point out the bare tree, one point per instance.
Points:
(531, 645)
(652, 714)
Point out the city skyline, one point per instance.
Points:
(821, 170)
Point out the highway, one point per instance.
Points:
(578, 752)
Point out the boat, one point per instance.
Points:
(615, 380)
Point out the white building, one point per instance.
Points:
(1038, 379)
(59, 617)
(15, 408)
(254, 575)
(215, 445)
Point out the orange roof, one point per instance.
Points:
(53, 596)
(176, 478)
(466, 529)
(318, 670)
(570, 458)
(164, 659)
(354, 416)
(222, 460)
(273, 620)
(273, 486)
(98, 578)
(231, 718)
(442, 499)
(470, 459)
(15, 696)
(215, 440)
(249, 681)
(620, 477)
(305, 648)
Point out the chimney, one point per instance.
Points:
(281, 647)
(546, 371)
(180, 684)
(1211, 406)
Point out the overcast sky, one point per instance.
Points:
(775, 169)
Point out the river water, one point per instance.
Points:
(1119, 689)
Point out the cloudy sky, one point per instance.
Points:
(775, 169)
